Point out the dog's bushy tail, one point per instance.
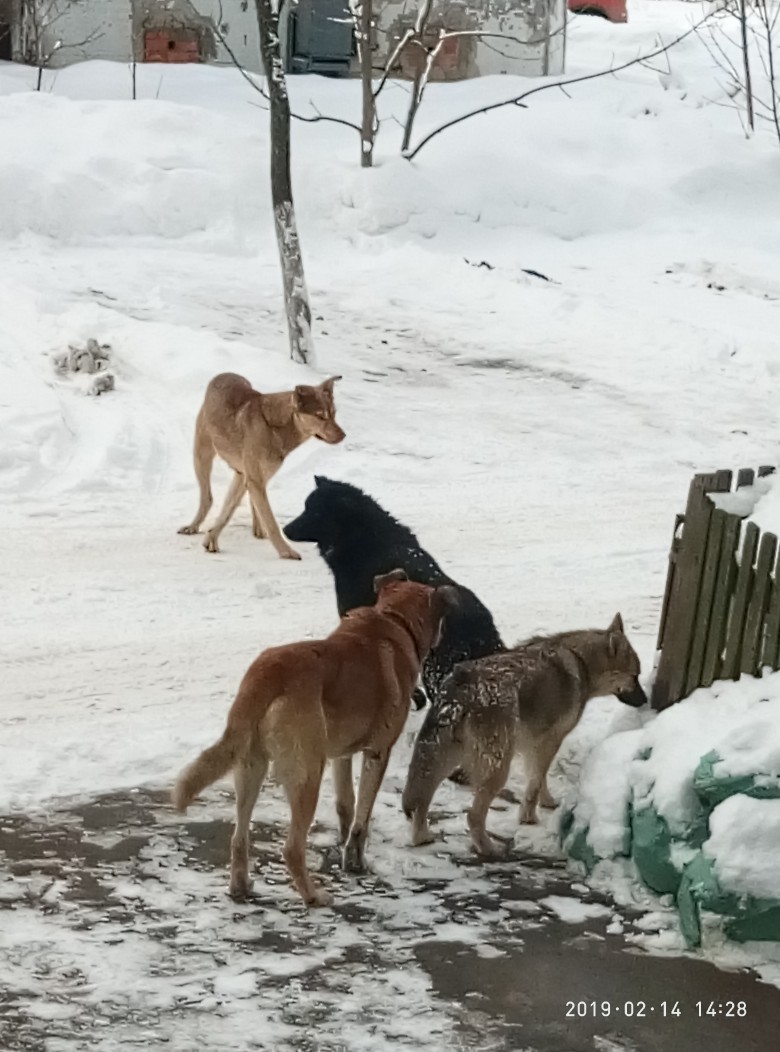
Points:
(212, 764)
(430, 763)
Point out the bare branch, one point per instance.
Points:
(411, 154)
(393, 59)
(249, 78)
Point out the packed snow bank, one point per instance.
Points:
(79, 170)
(744, 844)
(642, 151)
(693, 798)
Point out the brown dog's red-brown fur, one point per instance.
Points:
(305, 703)
(253, 433)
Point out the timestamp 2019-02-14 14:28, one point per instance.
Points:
(646, 1010)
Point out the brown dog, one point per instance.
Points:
(302, 704)
(253, 433)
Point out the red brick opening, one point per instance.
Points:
(171, 45)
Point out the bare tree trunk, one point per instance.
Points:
(296, 297)
(134, 47)
(773, 85)
(746, 59)
(368, 128)
(422, 70)
(411, 113)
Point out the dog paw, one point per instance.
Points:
(492, 849)
(289, 553)
(240, 890)
(529, 818)
(549, 803)
(318, 897)
(352, 860)
(210, 543)
(421, 839)
(188, 530)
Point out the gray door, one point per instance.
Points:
(5, 42)
(321, 37)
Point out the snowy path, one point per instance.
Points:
(124, 938)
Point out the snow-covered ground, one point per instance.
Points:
(539, 436)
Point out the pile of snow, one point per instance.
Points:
(693, 799)
(655, 765)
(75, 171)
(743, 843)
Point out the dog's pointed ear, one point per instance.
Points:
(444, 601)
(614, 633)
(297, 397)
(327, 385)
(319, 480)
(382, 579)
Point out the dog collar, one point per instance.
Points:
(399, 619)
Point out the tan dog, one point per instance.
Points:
(525, 700)
(253, 433)
(302, 704)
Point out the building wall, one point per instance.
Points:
(86, 29)
(538, 27)
(238, 27)
(115, 28)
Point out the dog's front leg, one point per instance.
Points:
(345, 795)
(371, 774)
(262, 508)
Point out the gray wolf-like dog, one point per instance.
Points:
(525, 700)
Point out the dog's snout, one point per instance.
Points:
(334, 435)
(293, 531)
(633, 696)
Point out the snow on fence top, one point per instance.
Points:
(721, 609)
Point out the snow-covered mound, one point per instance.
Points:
(693, 798)
(78, 170)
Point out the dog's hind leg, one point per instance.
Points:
(248, 776)
(203, 457)
(546, 798)
(537, 762)
(234, 495)
(490, 779)
(262, 508)
(303, 793)
(345, 795)
(371, 774)
(258, 530)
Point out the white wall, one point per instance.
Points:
(524, 19)
(111, 24)
(239, 28)
(73, 21)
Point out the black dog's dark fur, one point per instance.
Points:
(358, 539)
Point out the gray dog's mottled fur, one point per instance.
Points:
(525, 700)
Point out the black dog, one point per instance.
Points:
(358, 540)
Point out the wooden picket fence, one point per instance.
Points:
(721, 610)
